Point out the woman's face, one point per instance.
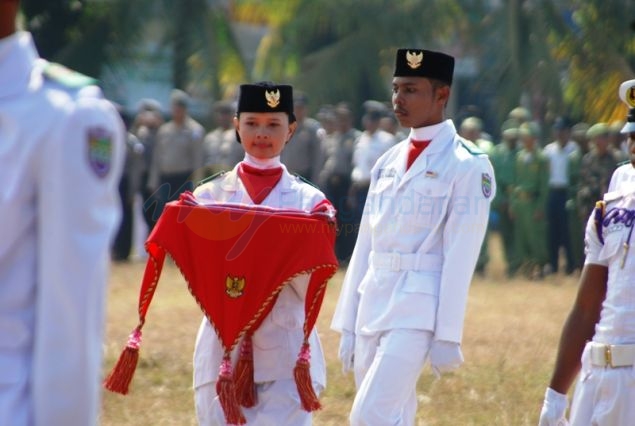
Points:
(264, 134)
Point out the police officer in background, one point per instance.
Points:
(62, 154)
(177, 159)
(302, 156)
(404, 295)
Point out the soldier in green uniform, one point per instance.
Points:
(596, 169)
(503, 158)
(528, 202)
(576, 223)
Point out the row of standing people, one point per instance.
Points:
(546, 191)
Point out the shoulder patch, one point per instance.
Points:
(471, 147)
(66, 77)
(305, 180)
(211, 178)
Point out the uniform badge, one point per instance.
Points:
(430, 174)
(273, 98)
(414, 59)
(486, 184)
(99, 142)
(234, 286)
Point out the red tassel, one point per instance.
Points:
(121, 375)
(244, 375)
(302, 374)
(226, 390)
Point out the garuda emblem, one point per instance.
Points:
(234, 286)
(273, 98)
(414, 59)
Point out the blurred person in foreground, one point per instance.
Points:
(598, 337)
(405, 291)
(62, 154)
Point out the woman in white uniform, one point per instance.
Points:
(264, 124)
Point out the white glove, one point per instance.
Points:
(445, 356)
(347, 350)
(553, 409)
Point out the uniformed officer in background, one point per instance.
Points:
(62, 155)
(404, 295)
(528, 201)
(503, 158)
(177, 159)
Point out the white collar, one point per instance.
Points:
(262, 163)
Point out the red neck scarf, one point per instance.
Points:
(259, 182)
(414, 149)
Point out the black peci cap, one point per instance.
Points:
(424, 63)
(266, 97)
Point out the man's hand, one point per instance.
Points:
(553, 409)
(347, 350)
(445, 356)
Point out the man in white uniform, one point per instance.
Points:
(405, 292)
(598, 338)
(61, 154)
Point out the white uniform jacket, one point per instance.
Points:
(277, 342)
(617, 318)
(61, 155)
(419, 240)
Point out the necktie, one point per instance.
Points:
(258, 182)
(414, 149)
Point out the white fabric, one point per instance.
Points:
(262, 163)
(58, 218)
(278, 404)
(559, 162)
(623, 179)
(278, 340)
(604, 396)
(346, 352)
(368, 149)
(445, 357)
(437, 207)
(405, 261)
(387, 366)
(554, 408)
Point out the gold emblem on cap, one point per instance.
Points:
(414, 59)
(234, 286)
(630, 96)
(273, 98)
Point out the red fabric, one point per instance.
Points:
(414, 149)
(266, 247)
(258, 182)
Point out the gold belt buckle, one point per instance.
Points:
(608, 356)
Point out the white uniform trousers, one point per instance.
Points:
(278, 405)
(387, 366)
(604, 397)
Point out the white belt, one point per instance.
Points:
(406, 261)
(612, 356)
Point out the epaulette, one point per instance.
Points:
(305, 180)
(622, 163)
(211, 178)
(66, 77)
(471, 147)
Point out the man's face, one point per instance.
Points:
(416, 102)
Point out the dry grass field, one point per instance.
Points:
(510, 340)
